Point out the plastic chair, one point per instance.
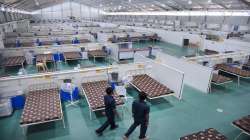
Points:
(69, 88)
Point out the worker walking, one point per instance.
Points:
(140, 111)
(110, 111)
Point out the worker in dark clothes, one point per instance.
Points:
(110, 111)
(140, 111)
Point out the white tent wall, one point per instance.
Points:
(19, 26)
(171, 36)
(165, 74)
(40, 50)
(1, 40)
(236, 20)
(196, 75)
(227, 45)
(230, 20)
(66, 10)
(9, 86)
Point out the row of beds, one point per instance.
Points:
(44, 105)
(220, 79)
(44, 43)
(68, 56)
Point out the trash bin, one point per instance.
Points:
(18, 100)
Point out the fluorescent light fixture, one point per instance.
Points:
(2, 8)
(37, 3)
(185, 13)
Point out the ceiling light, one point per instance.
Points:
(163, 5)
(2, 8)
(209, 1)
(37, 3)
(190, 2)
(129, 1)
(152, 5)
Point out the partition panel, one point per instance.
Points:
(196, 75)
(168, 76)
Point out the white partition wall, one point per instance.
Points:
(170, 77)
(10, 85)
(196, 75)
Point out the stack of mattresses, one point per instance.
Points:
(42, 106)
(95, 92)
(150, 86)
(44, 57)
(97, 53)
(233, 70)
(219, 79)
(208, 134)
(14, 61)
(72, 55)
(243, 124)
(210, 52)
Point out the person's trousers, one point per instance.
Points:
(142, 130)
(110, 121)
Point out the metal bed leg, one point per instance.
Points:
(238, 136)
(238, 80)
(63, 123)
(24, 129)
(90, 114)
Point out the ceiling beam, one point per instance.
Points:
(220, 4)
(245, 2)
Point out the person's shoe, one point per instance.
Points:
(125, 138)
(98, 133)
(112, 128)
(146, 138)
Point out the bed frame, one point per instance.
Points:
(210, 133)
(237, 124)
(39, 118)
(72, 56)
(163, 91)
(224, 67)
(97, 54)
(219, 80)
(99, 86)
(46, 57)
(14, 61)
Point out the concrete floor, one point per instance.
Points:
(169, 118)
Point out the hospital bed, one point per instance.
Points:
(150, 86)
(42, 105)
(208, 134)
(97, 54)
(94, 92)
(239, 73)
(242, 124)
(72, 56)
(14, 61)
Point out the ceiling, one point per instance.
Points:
(136, 5)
